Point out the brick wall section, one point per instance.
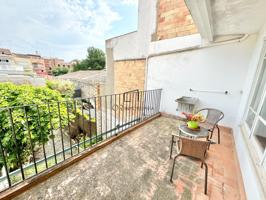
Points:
(129, 75)
(174, 20)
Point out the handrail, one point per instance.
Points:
(131, 91)
(209, 91)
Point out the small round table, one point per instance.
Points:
(201, 133)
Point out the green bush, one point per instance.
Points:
(66, 88)
(59, 71)
(42, 117)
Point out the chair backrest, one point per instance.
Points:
(213, 115)
(192, 147)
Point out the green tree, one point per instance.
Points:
(66, 88)
(95, 60)
(59, 71)
(42, 112)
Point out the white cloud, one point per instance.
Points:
(62, 28)
(130, 2)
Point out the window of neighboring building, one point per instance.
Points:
(256, 114)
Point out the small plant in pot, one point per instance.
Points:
(193, 120)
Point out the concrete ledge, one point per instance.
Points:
(31, 182)
(175, 44)
(241, 186)
(130, 59)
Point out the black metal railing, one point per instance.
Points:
(33, 138)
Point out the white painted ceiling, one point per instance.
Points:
(238, 16)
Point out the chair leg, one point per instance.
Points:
(172, 173)
(208, 139)
(211, 134)
(171, 149)
(206, 178)
(205, 153)
(218, 134)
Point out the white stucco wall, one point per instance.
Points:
(121, 45)
(221, 68)
(136, 44)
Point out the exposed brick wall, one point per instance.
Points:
(129, 75)
(173, 20)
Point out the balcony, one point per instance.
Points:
(137, 166)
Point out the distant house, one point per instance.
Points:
(38, 64)
(30, 64)
(12, 64)
(24, 61)
(54, 63)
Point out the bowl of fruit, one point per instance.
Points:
(193, 120)
(193, 124)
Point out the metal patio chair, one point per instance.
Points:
(192, 148)
(212, 119)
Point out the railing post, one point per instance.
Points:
(41, 135)
(68, 121)
(5, 163)
(61, 130)
(15, 141)
(29, 135)
(51, 130)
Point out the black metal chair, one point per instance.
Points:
(196, 149)
(213, 117)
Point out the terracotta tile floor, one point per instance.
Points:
(137, 166)
(225, 181)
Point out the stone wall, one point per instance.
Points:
(129, 75)
(173, 20)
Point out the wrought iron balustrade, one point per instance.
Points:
(34, 138)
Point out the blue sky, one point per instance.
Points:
(63, 28)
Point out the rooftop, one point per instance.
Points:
(137, 166)
(86, 76)
(5, 51)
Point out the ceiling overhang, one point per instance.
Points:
(202, 17)
(223, 18)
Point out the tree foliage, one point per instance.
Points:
(95, 60)
(59, 71)
(17, 130)
(66, 88)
